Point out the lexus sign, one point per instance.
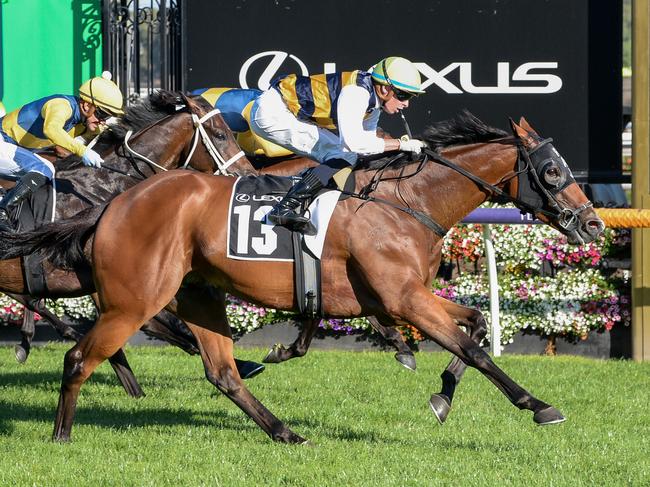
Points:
(555, 62)
(274, 64)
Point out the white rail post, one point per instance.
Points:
(495, 326)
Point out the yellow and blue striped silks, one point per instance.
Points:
(315, 97)
(52, 120)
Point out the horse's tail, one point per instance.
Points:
(61, 242)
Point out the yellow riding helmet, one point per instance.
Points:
(104, 94)
(399, 73)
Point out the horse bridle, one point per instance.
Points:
(199, 131)
(567, 218)
(536, 163)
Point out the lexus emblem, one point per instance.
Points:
(242, 198)
(277, 58)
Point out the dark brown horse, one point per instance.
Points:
(171, 131)
(376, 261)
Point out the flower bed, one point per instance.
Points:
(547, 287)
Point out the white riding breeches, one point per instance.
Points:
(273, 121)
(17, 161)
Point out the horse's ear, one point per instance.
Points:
(518, 131)
(525, 125)
(184, 103)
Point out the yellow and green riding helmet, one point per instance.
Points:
(398, 73)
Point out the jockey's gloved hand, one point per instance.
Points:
(412, 145)
(91, 158)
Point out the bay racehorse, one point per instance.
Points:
(376, 261)
(170, 131)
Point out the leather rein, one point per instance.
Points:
(565, 216)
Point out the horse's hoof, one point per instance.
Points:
(248, 369)
(440, 406)
(21, 354)
(548, 415)
(290, 437)
(273, 356)
(406, 359)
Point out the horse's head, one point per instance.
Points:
(169, 130)
(545, 185)
(218, 150)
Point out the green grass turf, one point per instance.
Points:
(367, 416)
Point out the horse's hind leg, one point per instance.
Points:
(404, 354)
(27, 331)
(204, 310)
(299, 347)
(474, 321)
(105, 339)
(118, 361)
(427, 314)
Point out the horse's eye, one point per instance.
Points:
(553, 175)
(219, 135)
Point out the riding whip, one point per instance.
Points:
(406, 124)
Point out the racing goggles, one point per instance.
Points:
(399, 94)
(102, 115)
(402, 95)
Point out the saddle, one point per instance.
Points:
(250, 237)
(31, 213)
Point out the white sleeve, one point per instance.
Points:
(356, 135)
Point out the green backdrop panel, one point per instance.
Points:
(47, 47)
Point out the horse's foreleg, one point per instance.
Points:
(427, 314)
(404, 355)
(204, 311)
(221, 371)
(299, 347)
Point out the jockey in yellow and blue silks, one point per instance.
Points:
(52, 121)
(235, 105)
(332, 118)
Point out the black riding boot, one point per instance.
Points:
(289, 212)
(25, 186)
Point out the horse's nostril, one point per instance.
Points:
(594, 227)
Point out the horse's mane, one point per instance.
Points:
(155, 107)
(464, 128)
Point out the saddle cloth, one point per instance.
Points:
(251, 237)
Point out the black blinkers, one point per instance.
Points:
(542, 170)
